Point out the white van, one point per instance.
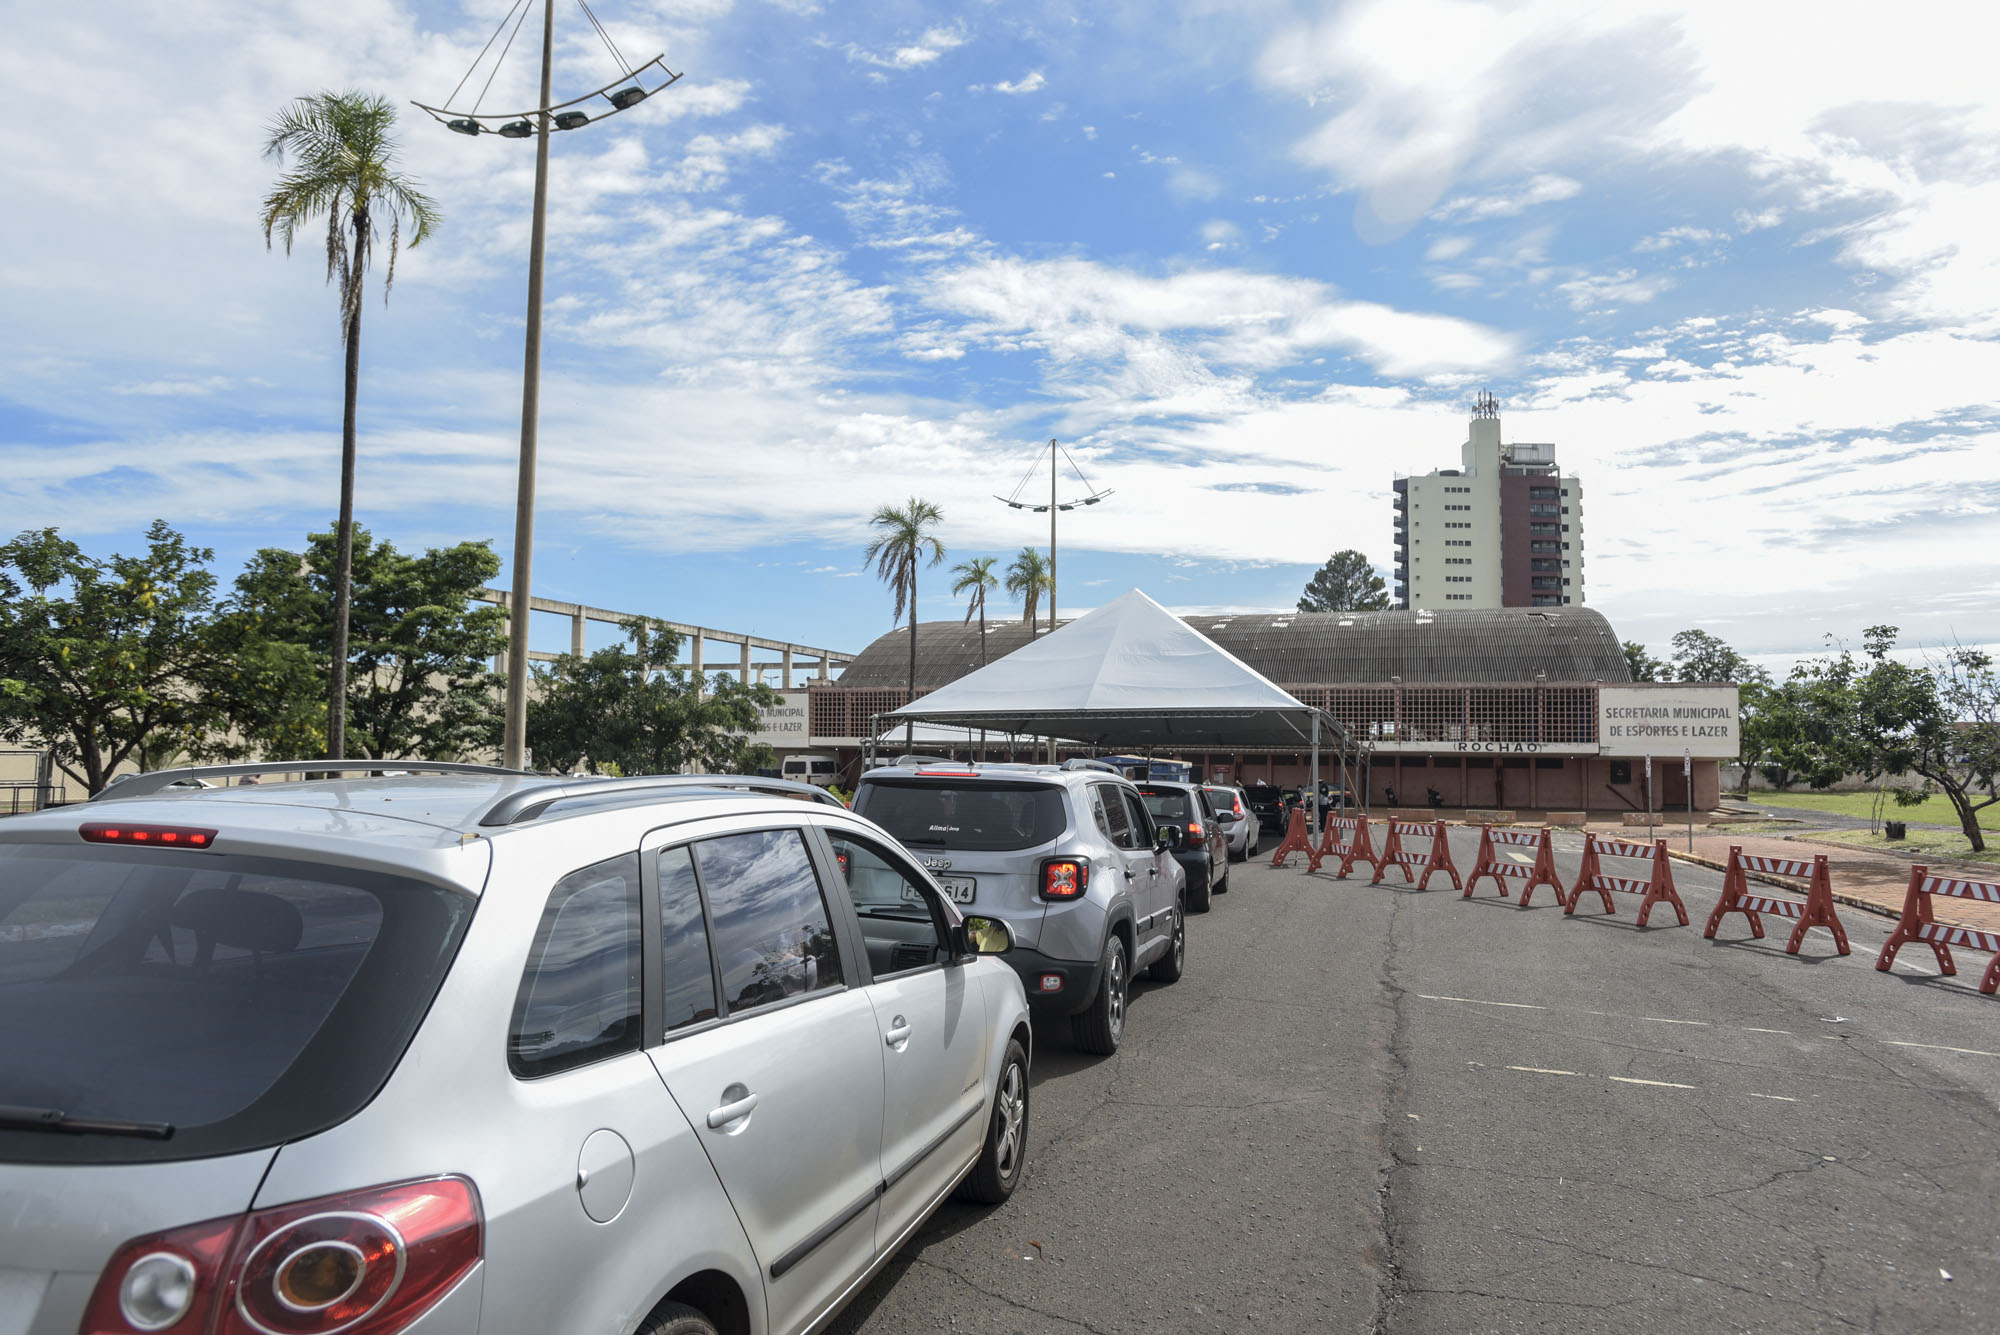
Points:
(822, 771)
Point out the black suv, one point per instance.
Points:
(1204, 850)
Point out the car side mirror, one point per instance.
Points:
(1168, 837)
(987, 936)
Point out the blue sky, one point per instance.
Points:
(1248, 261)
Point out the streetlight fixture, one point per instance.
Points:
(634, 85)
(1091, 496)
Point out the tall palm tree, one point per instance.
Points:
(1028, 580)
(975, 576)
(902, 539)
(343, 165)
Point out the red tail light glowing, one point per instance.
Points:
(364, 1263)
(1065, 878)
(169, 836)
(1196, 836)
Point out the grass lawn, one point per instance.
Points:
(1934, 810)
(1939, 845)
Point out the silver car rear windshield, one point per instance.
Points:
(239, 1001)
(976, 815)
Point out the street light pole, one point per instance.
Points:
(516, 739)
(1053, 507)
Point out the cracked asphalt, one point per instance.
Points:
(1368, 1109)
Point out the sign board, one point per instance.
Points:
(1648, 720)
(1441, 748)
(783, 727)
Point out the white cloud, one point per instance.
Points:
(1546, 188)
(1029, 83)
(1597, 292)
(1448, 247)
(1676, 236)
(912, 55)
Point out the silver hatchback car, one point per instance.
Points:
(483, 1054)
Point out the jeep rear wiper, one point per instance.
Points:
(55, 1119)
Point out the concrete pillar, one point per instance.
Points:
(822, 667)
(695, 668)
(576, 634)
(506, 633)
(743, 672)
(788, 667)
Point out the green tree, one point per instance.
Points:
(343, 165)
(630, 710)
(976, 578)
(903, 538)
(419, 646)
(1346, 583)
(1028, 580)
(1700, 656)
(1939, 719)
(1644, 666)
(106, 661)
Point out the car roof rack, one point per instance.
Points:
(1079, 762)
(150, 782)
(531, 803)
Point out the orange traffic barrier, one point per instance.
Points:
(1816, 911)
(1345, 837)
(1437, 859)
(1296, 839)
(1657, 888)
(1916, 924)
(1489, 863)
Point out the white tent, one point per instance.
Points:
(1130, 674)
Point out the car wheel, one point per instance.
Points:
(998, 1171)
(1222, 886)
(1199, 900)
(677, 1319)
(1101, 1027)
(1167, 968)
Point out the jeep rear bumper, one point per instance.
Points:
(1076, 982)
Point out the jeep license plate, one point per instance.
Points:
(959, 889)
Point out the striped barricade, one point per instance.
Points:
(1542, 871)
(1296, 839)
(1346, 838)
(1435, 859)
(1916, 924)
(1656, 888)
(1816, 911)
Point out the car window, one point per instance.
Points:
(1169, 804)
(773, 937)
(687, 977)
(900, 924)
(1141, 835)
(1113, 820)
(980, 814)
(579, 998)
(244, 1001)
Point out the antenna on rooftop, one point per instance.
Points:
(1485, 405)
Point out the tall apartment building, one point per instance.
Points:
(1504, 530)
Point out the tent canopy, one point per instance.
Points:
(1129, 674)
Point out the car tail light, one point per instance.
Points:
(1196, 836)
(364, 1263)
(1237, 803)
(1065, 878)
(170, 836)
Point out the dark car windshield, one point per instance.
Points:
(977, 814)
(243, 1001)
(1170, 805)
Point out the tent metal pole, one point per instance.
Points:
(1312, 794)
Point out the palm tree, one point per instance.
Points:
(344, 166)
(902, 539)
(977, 577)
(1028, 580)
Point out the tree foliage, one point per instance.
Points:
(629, 709)
(1346, 583)
(903, 538)
(1028, 580)
(973, 579)
(106, 661)
(1700, 656)
(1643, 665)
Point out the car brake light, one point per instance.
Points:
(1065, 878)
(363, 1263)
(1195, 836)
(172, 836)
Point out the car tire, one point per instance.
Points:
(1169, 967)
(1199, 900)
(1100, 1027)
(677, 1319)
(1221, 887)
(993, 1179)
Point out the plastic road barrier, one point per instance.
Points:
(1916, 924)
(1658, 887)
(1437, 859)
(1345, 837)
(1540, 872)
(1296, 839)
(1817, 911)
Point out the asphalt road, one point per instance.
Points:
(1367, 1109)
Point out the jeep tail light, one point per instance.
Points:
(1065, 878)
(1196, 836)
(363, 1263)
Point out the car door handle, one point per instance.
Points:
(1131, 875)
(898, 1033)
(731, 1112)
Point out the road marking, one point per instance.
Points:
(1542, 1070)
(1521, 858)
(1939, 1047)
(1775, 1098)
(1474, 1001)
(1655, 1019)
(1634, 1080)
(1786, 1032)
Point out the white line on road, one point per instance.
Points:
(1634, 1080)
(1542, 1070)
(1474, 1001)
(1775, 1098)
(1786, 1032)
(1939, 1047)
